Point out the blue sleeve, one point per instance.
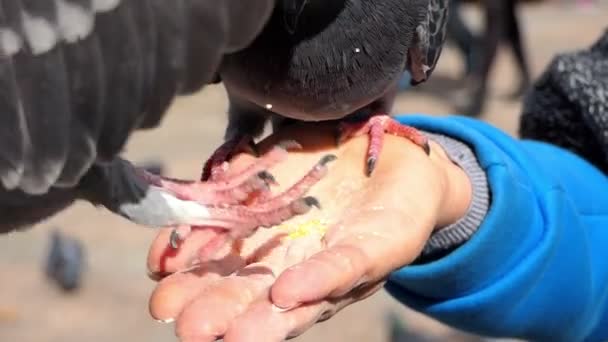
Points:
(537, 268)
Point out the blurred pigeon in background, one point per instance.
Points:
(502, 24)
(65, 262)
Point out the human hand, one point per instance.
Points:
(274, 284)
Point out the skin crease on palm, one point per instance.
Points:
(274, 285)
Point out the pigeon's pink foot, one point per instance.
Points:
(376, 127)
(229, 190)
(267, 213)
(217, 164)
(226, 200)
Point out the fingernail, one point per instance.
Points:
(281, 310)
(362, 282)
(153, 276)
(166, 321)
(284, 309)
(194, 262)
(192, 265)
(158, 276)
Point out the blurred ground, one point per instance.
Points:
(112, 305)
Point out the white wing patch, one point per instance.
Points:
(40, 34)
(75, 23)
(185, 211)
(105, 5)
(10, 42)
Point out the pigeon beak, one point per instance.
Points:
(292, 10)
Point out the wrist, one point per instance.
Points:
(456, 188)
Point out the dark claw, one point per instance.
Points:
(338, 136)
(327, 159)
(312, 202)
(289, 145)
(371, 165)
(427, 148)
(174, 239)
(267, 178)
(254, 148)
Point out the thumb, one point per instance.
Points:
(374, 245)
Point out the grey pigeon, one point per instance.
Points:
(65, 262)
(319, 60)
(77, 77)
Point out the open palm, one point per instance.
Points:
(282, 280)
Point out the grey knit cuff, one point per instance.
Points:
(454, 235)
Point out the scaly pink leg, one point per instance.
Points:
(232, 190)
(267, 213)
(376, 127)
(224, 199)
(216, 164)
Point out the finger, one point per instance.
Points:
(359, 254)
(208, 316)
(164, 260)
(176, 291)
(334, 270)
(303, 318)
(263, 322)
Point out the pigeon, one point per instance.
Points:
(502, 24)
(78, 77)
(65, 262)
(336, 60)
